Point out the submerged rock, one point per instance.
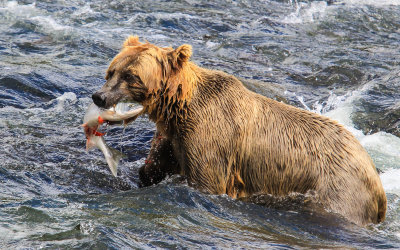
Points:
(379, 107)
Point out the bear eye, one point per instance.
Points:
(129, 78)
(110, 74)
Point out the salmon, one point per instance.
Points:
(95, 117)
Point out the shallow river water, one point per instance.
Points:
(338, 58)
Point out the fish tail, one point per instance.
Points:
(113, 158)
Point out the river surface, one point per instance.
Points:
(337, 58)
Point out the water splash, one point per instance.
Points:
(380, 3)
(306, 12)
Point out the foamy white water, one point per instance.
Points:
(309, 12)
(372, 2)
(306, 12)
(390, 180)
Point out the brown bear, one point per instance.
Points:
(226, 139)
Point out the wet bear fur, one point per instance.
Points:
(226, 139)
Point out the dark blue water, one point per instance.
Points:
(338, 58)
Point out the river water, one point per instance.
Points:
(338, 58)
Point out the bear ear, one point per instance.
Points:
(180, 55)
(132, 41)
(184, 52)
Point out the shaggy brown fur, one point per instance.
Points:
(228, 140)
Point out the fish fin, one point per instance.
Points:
(113, 160)
(129, 120)
(89, 144)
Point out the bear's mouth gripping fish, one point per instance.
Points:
(95, 117)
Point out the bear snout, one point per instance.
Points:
(99, 100)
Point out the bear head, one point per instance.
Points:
(149, 75)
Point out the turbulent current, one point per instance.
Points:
(338, 58)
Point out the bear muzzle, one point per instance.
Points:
(99, 99)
